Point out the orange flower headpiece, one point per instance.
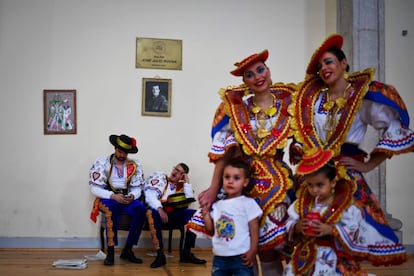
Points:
(242, 65)
(331, 41)
(313, 161)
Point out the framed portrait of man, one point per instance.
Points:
(156, 97)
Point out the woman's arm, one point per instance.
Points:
(207, 197)
(375, 159)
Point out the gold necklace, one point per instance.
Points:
(333, 107)
(261, 116)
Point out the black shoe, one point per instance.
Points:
(127, 254)
(110, 255)
(190, 258)
(159, 261)
(109, 260)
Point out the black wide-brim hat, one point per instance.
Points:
(124, 143)
(178, 200)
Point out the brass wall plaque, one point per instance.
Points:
(158, 53)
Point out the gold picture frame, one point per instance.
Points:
(156, 97)
(59, 112)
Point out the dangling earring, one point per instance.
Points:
(246, 91)
(333, 190)
(346, 75)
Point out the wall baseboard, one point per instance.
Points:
(409, 248)
(144, 242)
(41, 242)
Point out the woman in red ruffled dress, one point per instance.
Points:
(253, 123)
(332, 112)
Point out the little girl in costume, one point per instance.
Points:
(341, 238)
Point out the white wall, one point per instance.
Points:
(89, 45)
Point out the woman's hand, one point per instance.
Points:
(375, 159)
(353, 164)
(295, 153)
(206, 198)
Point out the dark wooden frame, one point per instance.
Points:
(59, 112)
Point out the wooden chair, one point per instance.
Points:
(125, 222)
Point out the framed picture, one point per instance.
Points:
(59, 111)
(156, 97)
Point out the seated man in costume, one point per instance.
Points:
(118, 182)
(168, 198)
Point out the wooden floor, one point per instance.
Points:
(39, 262)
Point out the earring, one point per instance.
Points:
(246, 91)
(346, 75)
(333, 191)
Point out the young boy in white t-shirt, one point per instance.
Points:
(234, 224)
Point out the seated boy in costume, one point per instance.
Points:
(168, 198)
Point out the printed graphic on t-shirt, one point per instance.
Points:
(225, 227)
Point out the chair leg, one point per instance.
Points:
(102, 236)
(170, 234)
(182, 233)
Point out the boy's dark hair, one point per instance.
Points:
(240, 164)
(329, 170)
(185, 167)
